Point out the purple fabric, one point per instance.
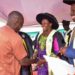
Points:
(43, 69)
(42, 72)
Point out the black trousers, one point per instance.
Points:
(25, 70)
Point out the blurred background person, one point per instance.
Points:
(67, 31)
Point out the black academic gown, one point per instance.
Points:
(29, 44)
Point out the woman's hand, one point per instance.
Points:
(40, 62)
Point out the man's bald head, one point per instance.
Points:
(15, 20)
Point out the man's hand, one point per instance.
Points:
(27, 61)
(63, 50)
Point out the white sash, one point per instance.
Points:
(49, 42)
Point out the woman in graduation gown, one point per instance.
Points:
(48, 42)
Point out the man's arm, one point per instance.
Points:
(20, 53)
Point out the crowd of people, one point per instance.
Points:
(16, 48)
